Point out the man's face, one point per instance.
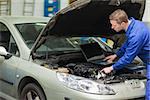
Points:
(115, 26)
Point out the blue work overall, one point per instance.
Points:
(148, 83)
(137, 44)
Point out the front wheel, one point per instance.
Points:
(32, 92)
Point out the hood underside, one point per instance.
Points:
(89, 18)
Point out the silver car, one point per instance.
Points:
(41, 58)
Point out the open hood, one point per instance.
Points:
(89, 18)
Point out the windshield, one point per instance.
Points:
(58, 45)
(55, 44)
(30, 31)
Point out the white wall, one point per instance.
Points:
(39, 8)
(146, 16)
(17, 7)
(63, 3)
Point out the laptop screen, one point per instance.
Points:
(91, 50)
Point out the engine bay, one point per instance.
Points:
(75, 64)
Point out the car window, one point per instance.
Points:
(54, 43)
(68, 43)
(7, 40)
(30, 32)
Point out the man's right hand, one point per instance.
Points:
(107, 70)
(110, 58)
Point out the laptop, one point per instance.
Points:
(94, 54)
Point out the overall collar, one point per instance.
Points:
(130, 26)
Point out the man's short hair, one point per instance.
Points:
(119, 16)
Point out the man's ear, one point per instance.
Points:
(123, 24)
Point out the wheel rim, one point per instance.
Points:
(32, 95)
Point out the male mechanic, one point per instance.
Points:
(137, 44)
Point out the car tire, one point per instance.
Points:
(32, 92)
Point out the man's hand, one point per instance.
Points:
(110, 58)
(107, 70)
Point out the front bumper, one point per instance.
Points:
(126, 90)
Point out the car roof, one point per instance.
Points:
(23, 19)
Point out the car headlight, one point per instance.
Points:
(84, 85)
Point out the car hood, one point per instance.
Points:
(88, 18)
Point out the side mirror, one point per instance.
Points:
(3, 51)
(4, 54)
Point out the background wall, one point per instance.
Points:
(146, 16)
(17, 8)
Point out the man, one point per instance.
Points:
(137, 44)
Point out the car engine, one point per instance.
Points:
(76, 64)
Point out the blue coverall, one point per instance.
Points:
(137, 44)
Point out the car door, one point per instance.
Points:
(9, 65)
